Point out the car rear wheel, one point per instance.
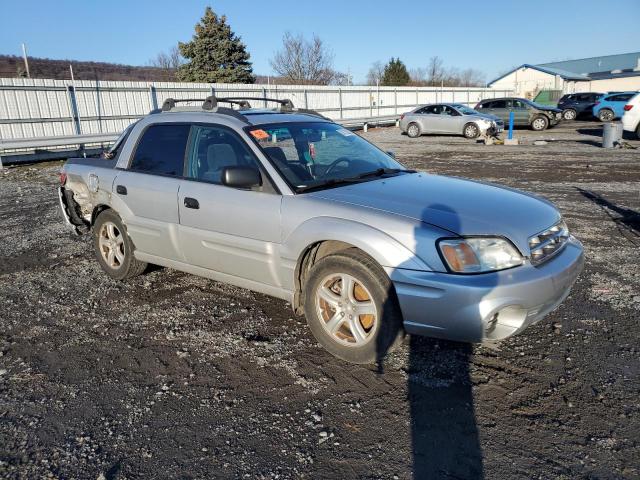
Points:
(471, 130)
(606, 115)
(351, 307)
(113, 247)
(569, 114)
(638, 131)
(413, 130)
(540, 123)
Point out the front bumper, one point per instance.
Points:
(485, 307)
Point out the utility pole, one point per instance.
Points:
(71, 70)
(26, 61)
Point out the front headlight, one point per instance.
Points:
(479, 254)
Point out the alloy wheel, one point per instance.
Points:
(111, 244)
(346, 309)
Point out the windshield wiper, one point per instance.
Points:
(355, 179)
(383, 171)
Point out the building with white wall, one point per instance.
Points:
(595, 74)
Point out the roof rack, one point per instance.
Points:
(211, 104)
(170, 103)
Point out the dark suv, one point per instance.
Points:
(525, 112)
(574, 105)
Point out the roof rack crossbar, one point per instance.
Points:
(285, 103)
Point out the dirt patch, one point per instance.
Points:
(171, 375)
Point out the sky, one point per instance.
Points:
(492, 38)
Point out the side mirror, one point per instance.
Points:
(241, 177)
(391, 153)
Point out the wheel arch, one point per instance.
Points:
(310, 243)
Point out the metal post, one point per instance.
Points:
(213, 91)
(395, 101)
(153, 96)
(26, 60)
(306, 99)
(417, 102)
(340, 100)
(370, 104)
(73, 107)
(510, 126)
(378, 104)
(264, 95)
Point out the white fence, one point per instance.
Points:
(46, 108)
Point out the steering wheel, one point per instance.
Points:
(337, 162)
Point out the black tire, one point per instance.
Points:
(569, 114)
(386, 332)
(123, 264)
(539, 123)
(413, 130)
(638, 131)
(606, 115)
(470, 130)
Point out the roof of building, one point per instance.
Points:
(593, 68)
(607, 63)
(551, 71)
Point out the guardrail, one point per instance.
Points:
(25, 150)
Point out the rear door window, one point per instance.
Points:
(499, 104)
(161, 150)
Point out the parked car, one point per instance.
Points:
(574, 105)
(288, 203)
(631, 116)
(451, 118)
(611, 106)
(525, 112)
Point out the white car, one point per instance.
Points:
(631, 117)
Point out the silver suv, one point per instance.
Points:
(287, 203)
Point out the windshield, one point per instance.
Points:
(466, 110)
(314, 155)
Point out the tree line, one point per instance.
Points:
(216, 54)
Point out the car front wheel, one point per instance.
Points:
(540, 123)
(569, 114)
(351, 307)
(605, 115)
(471, 130)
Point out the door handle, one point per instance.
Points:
(191, 203)
(121, 190)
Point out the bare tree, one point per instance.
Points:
(418, 76)
(470, 77)
(305, 62)
(168, 61)
(374, 76)
(435, 71)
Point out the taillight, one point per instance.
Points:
(63, 178)
(628, 107)
(401, 116)
(597, 103)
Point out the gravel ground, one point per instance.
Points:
(171, 375)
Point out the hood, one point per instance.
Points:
(463, 207)
(547, 108)
(486, 116)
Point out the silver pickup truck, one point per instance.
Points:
(285, 202)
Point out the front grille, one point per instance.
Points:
(547, 243)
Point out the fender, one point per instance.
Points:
(384, 249)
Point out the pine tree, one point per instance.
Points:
(395, 73)
(215, 54)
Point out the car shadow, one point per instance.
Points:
(626, 218)
(444, 432)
